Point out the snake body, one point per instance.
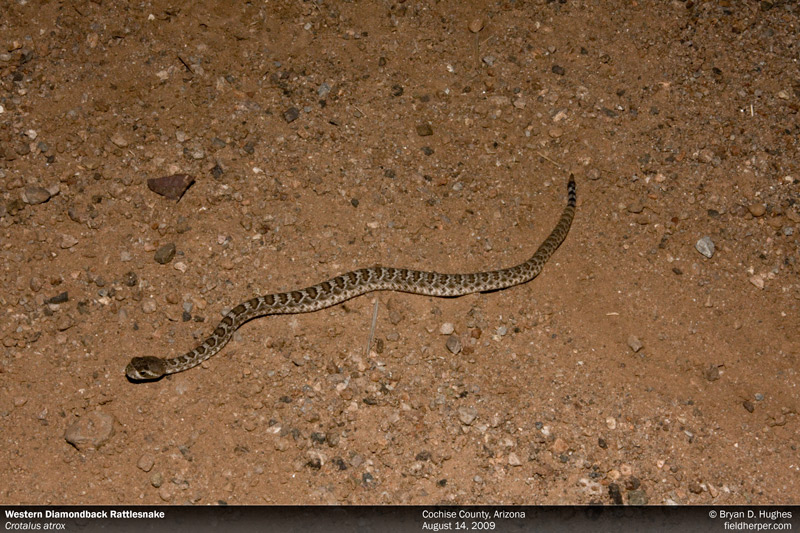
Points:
(356, 283)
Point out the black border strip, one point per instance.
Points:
(402, 519)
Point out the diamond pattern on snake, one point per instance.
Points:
(351, 284)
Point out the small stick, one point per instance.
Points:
(540, 154)
(185, 64)
(372, 328)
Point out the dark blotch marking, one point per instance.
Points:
(239, 309)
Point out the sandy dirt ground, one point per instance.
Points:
(654, 360)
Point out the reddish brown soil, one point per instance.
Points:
(679, 120)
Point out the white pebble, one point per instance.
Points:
(634, 343)
(705, 246)
(447, 328)
(68, 241)
(757, 280)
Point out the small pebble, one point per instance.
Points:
(64, 322)
(119, 140)
(712, 373)
(165, 493)
(757, 280)
(148, 306)
(453, 344)
(130, 279)
(467, 415)
(424, 129)
(171, 187)
(634, 343)
(146, 462)
(67, 241)
(513, 459)
(560, 446)
(637, 497)
(636, 207)
(476, 25)
(747, 404)
(291, 114)
(165, 254)
(757, 210)
(35, 284)
(447, 328)
(35, 195)
(705, 246)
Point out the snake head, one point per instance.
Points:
(146, 368)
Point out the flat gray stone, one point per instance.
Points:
(91, 431)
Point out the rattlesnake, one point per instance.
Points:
(352, 284)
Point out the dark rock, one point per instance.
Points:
(424, 130)
(165, 254)
(171, 187)
(217, 171)
(291, 114)
(614, 493)
(130, 279)
(58, 298)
